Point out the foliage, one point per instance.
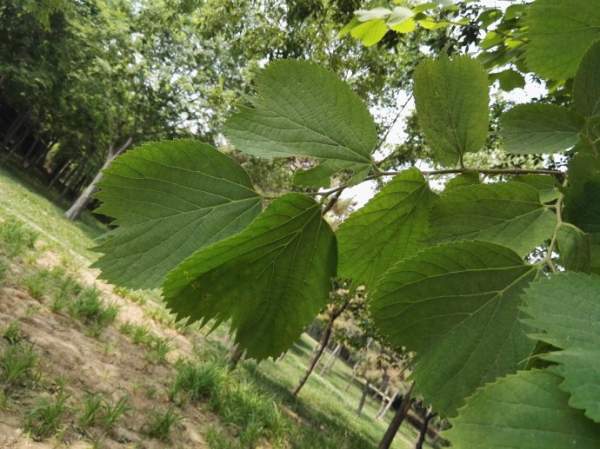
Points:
(460, 305)
(18, 365)
(161, 422)
(15, 238)
(91, 310)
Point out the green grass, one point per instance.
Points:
(157, 347)
(13, 333)
(18, 365)
(161, 422)
(91, 411)
(97, 411)
(15, 238)
(45, 418)
(89, 308)
(112, 413)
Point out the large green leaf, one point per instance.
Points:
(540, 128)
(582, 207)
(509, 213)
(392, 226)
(574, 246)
(457, 306)
(544, 184)
(169, 199)
(586, 88)
(304, 110)
(270, 280)
(451, 96)
(526, 410)
(566, 310)
(560, 32)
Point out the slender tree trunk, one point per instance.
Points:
(390, 433)
(322, 345)
(331, 360)
(79, 205)
(423, 432)
(236, 355)
(29, 152)
(59, 173)
(363, 398)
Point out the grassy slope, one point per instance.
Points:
(323, 403)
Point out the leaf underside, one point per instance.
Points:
(566, 311)
(169, 199)
(560, 32)
(305, 110)
(391, 227)
(526, 410)
(457, 306)
(269, 281)
(509, 214)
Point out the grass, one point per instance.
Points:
(45, 418)
(15, 238)
(89, 308)
(97, 411)
(157, 347)
(160, 424)
(4, 267)
(18, 365)
(13, 333)
(239, 403)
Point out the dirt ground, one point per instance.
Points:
(110, 364)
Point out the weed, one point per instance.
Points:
(92, 408)
(112, 413)
(15, 238)
(89, 308)
(160, 424)
(3, 400)
(45, 418)
(158, 347)
(4, 267)
(196, 382)
(36, 283)
(17, 364)
(236, 401)
(13, 333)
(67, 290)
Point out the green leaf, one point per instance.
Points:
(586, 88)
(451, 96)
(560, 32)
(320, 176)
(508, 79)
(574, 247)
(526, 410)
(508, 214)
(582, 207)
(391, 227)
(457, 306)
(540, 128)
(270, 280)
(370, 33)
(566, 310)
(545, 185)
(304, 110)
(169, 199)
(464, 179)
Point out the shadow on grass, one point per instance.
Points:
(319, 428)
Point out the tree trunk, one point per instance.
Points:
(331, 360)
(363, 398)
(390, 433)
(79, 205)
(236, 355)
(322, 345)
(423, 432)
(13, 128)
(59, 173)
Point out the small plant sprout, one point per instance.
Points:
(45, 418)
(13, 333)
(18, 365)
(161, 422)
